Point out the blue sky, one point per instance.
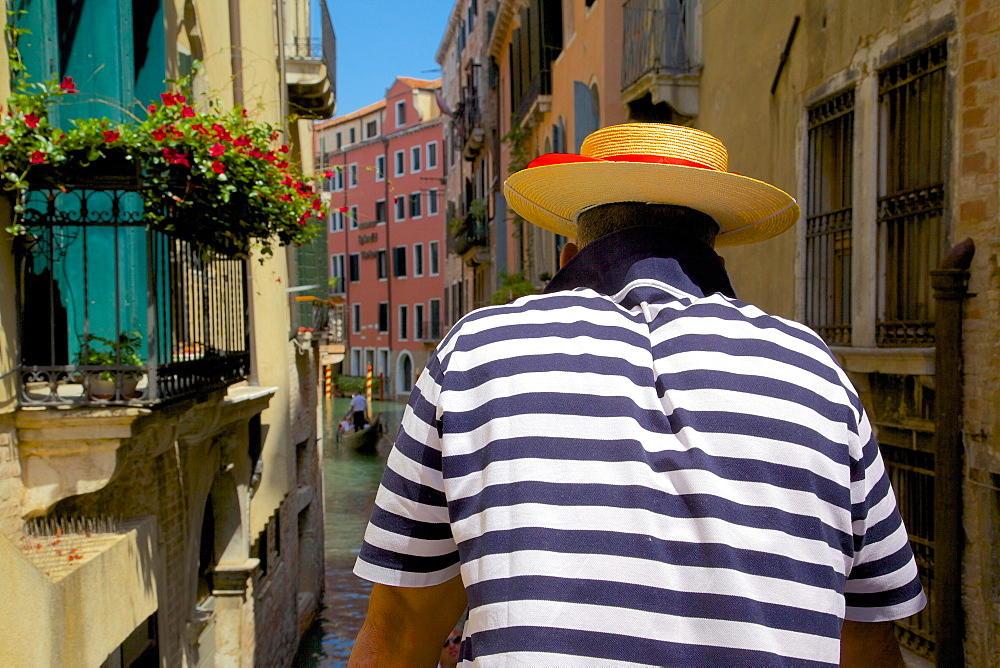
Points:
(378, 40)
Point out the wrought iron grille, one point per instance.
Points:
(911, 473)
(90, 267)
(657, 38)
(912, 194)
(828, 219)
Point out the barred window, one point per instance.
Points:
(829, 218)
(912, 190)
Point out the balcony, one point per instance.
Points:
(310, 64)
(467, 126)
(660, 72)
(471, 235)
(113, 312)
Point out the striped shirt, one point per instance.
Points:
(635, 468)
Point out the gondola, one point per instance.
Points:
(364, 441)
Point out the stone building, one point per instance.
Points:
(882, 120)
(384, 166)
(179, 522)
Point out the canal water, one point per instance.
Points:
(351, 481)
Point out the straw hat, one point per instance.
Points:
(654, 163)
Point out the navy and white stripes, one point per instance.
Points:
(642, 476)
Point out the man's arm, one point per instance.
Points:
(407, 626)
(869, 644)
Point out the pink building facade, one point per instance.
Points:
(384, 179)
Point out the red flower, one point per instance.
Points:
(68, 86)
(37, 157)
(4, 140)
(344, 209)
(286, 198)
(199, 128)
(218, 167)
(111, 136)
(151, 109)
(187, 112)
(256, 153)
(317, 205)
(179, 99)
(328, 174)
(275, 135)
(242, 140)
(175, 132)
(31, 120)
(281, 165)
(243, 111)
(168, 99)
(176, 157)
(216, 150)
(284, 148)
(159, 134)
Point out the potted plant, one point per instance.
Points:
(121, 352)
(216, 178)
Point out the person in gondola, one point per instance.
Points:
(359, 406)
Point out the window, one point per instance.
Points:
(336, 181)
(352, 171)
(336, 221)
(433, 252)
(415, 211)
(418, 259)
(434, 321)
(356, 318)
(354, 217)
(911, 194)
(400, 207)
(401, 113)
(380, 168)
(414, 159)
(383, 264)
(419, 326)
(352, 135)
(340, 142)
(371, 129)
(432, 202)
(432, 155)
(383, 317)
(399, 261)
(380, 211)
(355, 267)
(404, 316)
(337, 273)
(828, 218)
(400, 158)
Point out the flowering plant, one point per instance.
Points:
(217, 178)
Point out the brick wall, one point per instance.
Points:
(977, 205)
(275, 607)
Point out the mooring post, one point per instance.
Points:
(951, 284)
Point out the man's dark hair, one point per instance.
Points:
(672, 219)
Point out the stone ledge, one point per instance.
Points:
(903, 361)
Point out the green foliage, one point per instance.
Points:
(214, 177)
(513, 286)
(517, 144)
(348, 385)
(124, 351)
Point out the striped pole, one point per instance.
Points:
(328, 379)
(368, 388)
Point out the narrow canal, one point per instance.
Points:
(350, 481)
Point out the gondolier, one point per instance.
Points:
(636, 467)
(359, 408)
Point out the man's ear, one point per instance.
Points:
(568, 252)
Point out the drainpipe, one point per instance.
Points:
(388, 246)
(951, 284)
(235, 40)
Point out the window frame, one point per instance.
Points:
(356, 318)
(418, 259)
(433, 257)
(416, 205)
(399, 163)
(432, 202)
(382, 264)
(400, 113)
(354, 267)
(380, 167)
(341, 286)
(416, 159)
(431, 164)
(399, 268)
(399, 206)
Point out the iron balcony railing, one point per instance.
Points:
(427, 330)
(539, 84)
(475, 232)
(112, 311)
(657, 38)
(468, 116)
(308, 47)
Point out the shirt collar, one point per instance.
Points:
(609, 263)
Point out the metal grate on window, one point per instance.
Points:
(912, 194)
(829, 218)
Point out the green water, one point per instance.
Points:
(351, 481)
